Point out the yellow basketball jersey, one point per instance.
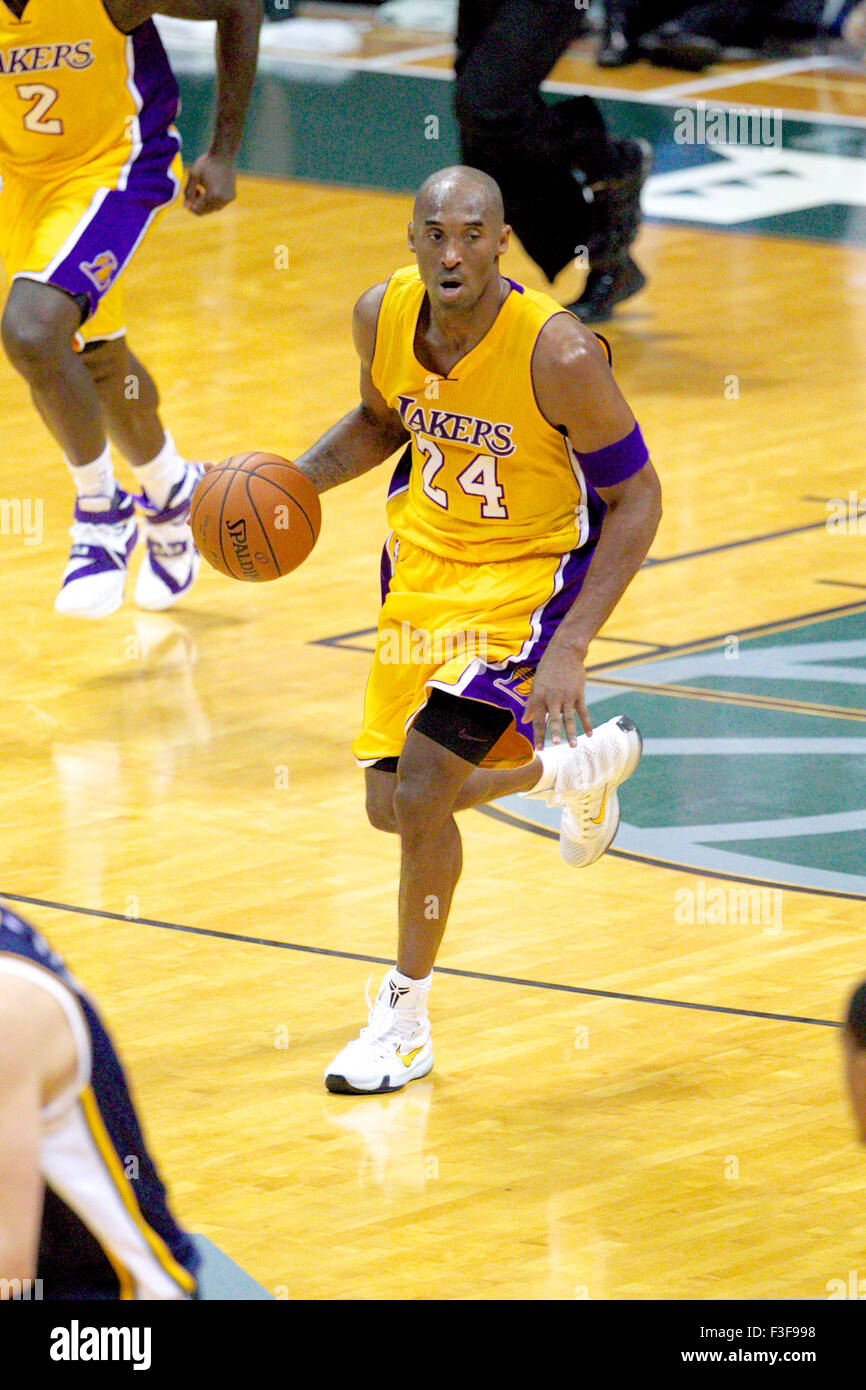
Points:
(490, 478)
(74, 90)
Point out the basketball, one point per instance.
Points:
(255, 517)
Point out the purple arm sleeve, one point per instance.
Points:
(615, 462)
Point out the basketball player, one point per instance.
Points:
(520, 511)
(89, 156)
(854, 1047)
(82, 1207)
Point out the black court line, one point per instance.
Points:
(744, 699)
(652, 650)
(512, 819)
(341, 641)
(440, 970)
(700, 644)
(650, 563)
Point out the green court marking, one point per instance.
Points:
(791, 665)
(220, 1278)
(760, 793)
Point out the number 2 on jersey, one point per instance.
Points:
(478, 479)
(43, 99)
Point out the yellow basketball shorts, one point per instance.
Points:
(473, 630)
(77, 231)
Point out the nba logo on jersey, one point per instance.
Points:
(101, 270)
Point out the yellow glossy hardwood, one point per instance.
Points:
(195, 769)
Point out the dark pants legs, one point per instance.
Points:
(506, 48)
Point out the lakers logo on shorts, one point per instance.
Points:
(101, 270)
(518, 682)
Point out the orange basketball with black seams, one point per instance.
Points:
(255, 517)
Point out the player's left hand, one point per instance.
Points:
(558, 694)
(210, 184)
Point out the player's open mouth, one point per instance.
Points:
(450, 287)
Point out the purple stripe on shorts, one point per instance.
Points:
(117, 223)
(115, 228)
(507, 683)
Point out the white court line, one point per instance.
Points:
(645, 98)
(660, 97)
(384, 62)
(739, 79)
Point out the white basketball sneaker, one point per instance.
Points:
(103, 538)
(172, 561)
(395, 1047)
(584, 785)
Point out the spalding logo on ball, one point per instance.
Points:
(255, 517)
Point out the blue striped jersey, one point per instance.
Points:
(107, 1231)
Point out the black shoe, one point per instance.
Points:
(616, 50)
(615, 200)
(671, 46)
(607, 286)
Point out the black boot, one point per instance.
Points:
(673, 46)
(615, 201)
(607, 286)
(616, 48)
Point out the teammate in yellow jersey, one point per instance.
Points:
(89, 156)
(521, 508)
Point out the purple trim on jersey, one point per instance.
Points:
(386, 569)
(118, 217)
(153, 78)
(615, 462)
(513, 283)
(400, 477)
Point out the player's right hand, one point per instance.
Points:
(210, 185)
(557, 695)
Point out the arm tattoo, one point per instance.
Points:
(357, 443)
(326, 465)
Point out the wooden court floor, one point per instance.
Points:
(180, 801)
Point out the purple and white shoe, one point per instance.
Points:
(103, 538)
(172, 561)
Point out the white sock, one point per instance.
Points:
(413, 1001)
(94, 479)
(548, 758)
(158, 477)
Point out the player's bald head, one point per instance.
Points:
(460, 191)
